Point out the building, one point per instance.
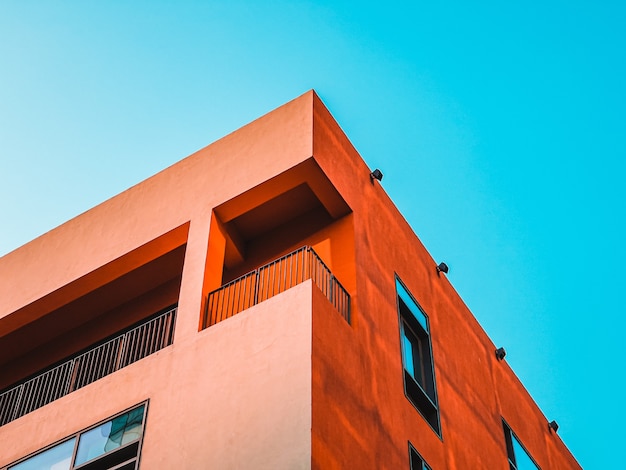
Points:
(245, 308)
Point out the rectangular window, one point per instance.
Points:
(416, 460)
(114, 444)
(417, 358)
(519, 458)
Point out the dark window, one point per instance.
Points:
(417, 358)
(417, 462)
(519, 458)
(112, 444)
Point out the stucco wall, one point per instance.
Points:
(237, 395)
(361, 415)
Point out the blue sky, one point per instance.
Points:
(499, 129)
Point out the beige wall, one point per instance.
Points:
(237, 395)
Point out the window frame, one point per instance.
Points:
(509, 437)
(421, 393)
(416, 461)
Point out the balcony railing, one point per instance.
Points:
(272, 279)
(87, 367)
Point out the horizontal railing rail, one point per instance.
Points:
(87, 367)
(272, 279)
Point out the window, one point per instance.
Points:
(519, 458)
(58, 457)
(419, 375)
(417, 462)
(114, 444)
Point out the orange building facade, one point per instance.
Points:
(259, 304)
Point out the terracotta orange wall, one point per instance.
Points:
(360, 414)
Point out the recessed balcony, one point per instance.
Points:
(271, 279)
(82, 369)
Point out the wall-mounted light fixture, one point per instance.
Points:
(442, 268)
(376, 175)
(553, 426)
(500, 353)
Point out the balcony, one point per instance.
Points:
(272, 279)
(87, 367)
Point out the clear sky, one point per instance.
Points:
(499, 127)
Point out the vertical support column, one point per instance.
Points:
(192, 298)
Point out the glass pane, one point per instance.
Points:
(110, 436)
(522, 459)
(413, 355)
(411, 305)
(407, 348)
(56, 458)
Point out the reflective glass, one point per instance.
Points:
(411, 305)
(522, 459)
(56, 458)
(407, 347)
(413, 351)
(110, 435)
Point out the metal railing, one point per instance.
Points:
(272, 279)
(87, 367)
